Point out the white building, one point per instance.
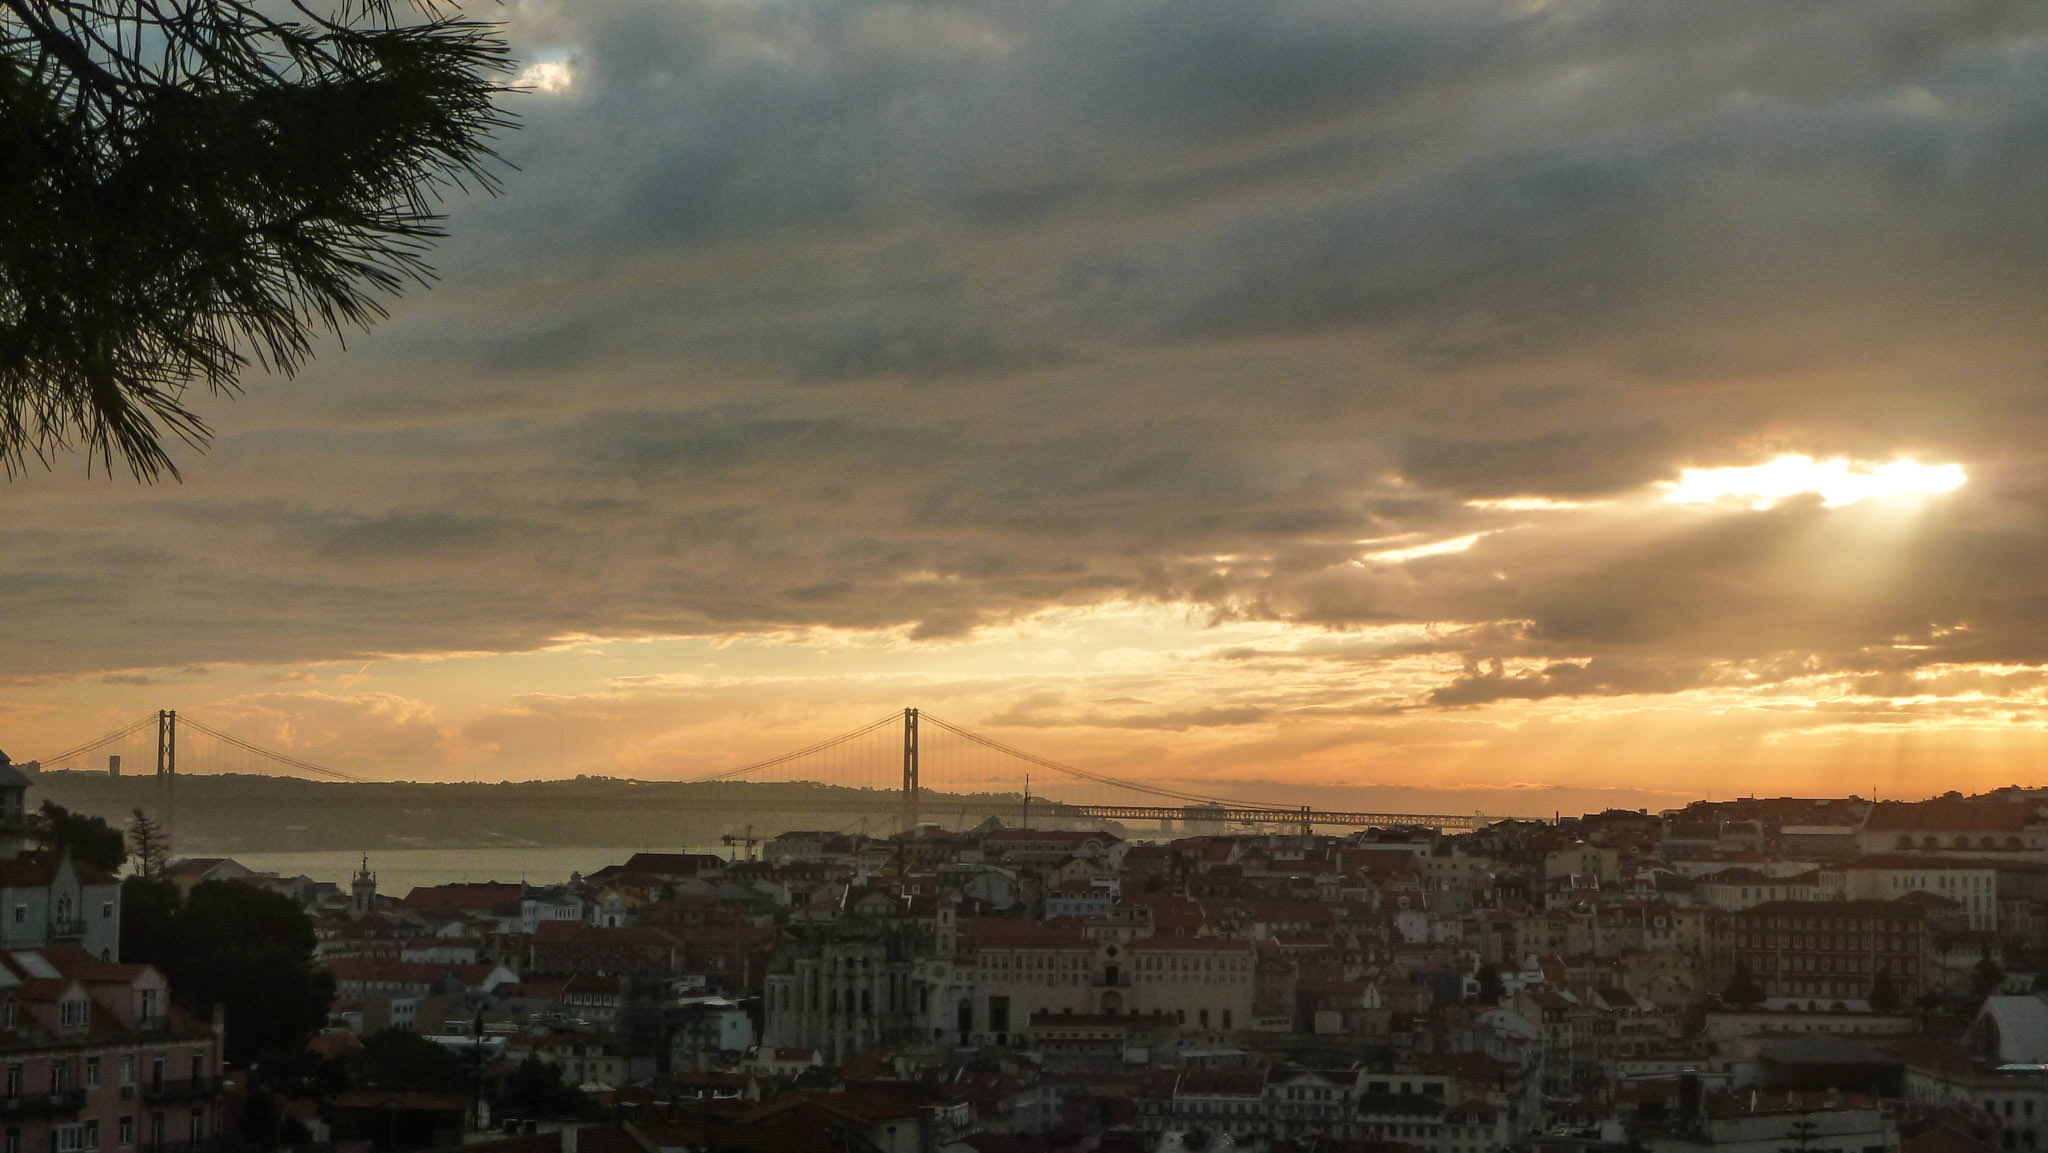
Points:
(47, 898)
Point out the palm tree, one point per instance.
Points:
(197, 186)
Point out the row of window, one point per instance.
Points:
(1833, 923)
(1888, 942)
(73, 1012)
(1796, 963)
(63, 1076)
(63, 911)
(85, 1136)
(2011, 844)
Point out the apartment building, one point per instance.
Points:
(97, 1059)
(47, 898)
(1827, 951)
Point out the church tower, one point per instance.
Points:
(363, 891)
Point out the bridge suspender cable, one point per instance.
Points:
(101, 741)
(1099, 778)
(281, 758)
(785, 758)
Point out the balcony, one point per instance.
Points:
(61, 1102)
(194, 1089)
(67, 930)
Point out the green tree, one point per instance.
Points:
(148, 845)
(1987, 976)
(193, 186)
(394, 1059)
(91, 840)
(1884, 996)
(149, 920)
(245, 949)
(1490, 988)
(1742, 989)
(536, 1089)
(1802, 1133)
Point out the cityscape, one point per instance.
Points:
(1728, 976)
(1024, 576)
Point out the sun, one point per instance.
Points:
(1837, 481)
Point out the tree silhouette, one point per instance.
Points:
(1986, 976)
(148, 845)
(1802, 1132)
(536, 1089)
(396, 1059)
(90, 840)
(195, 186)
(246, 949)
(1491, 990)
(1884, 996)
(1743, 989)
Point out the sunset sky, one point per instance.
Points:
(1430, 403)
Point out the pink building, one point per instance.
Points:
(97, 1060)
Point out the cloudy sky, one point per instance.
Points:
(1291, 391)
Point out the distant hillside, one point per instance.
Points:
(232, 813)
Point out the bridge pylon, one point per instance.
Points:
(910, 770)
(166, 771)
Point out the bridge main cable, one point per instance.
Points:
(821, 746)
(102, 741)
(285, 759)
(1103, 779)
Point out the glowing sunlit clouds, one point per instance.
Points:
(1433, 548)
(1532, 504)
(1837, 481)
(546, 76)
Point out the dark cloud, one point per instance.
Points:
(929, 317)
(1599, 677)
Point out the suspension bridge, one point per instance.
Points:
(910, 767)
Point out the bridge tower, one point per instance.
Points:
(166, 771)
(910, 770)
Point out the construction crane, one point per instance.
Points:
(747, 839)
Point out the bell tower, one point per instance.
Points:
(363, 891)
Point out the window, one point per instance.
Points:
(124, 1132)
(14, 1079)
(127, 1068)
(156, 1130)
(92, 1134)
(92, 1072)
(60, 1074)
(71, 1012)
(196, 1132)
(7, 1013)
(106, 910)
(21, 914)
(13, 1140)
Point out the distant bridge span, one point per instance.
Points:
(1040, 809)
(877, 768)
